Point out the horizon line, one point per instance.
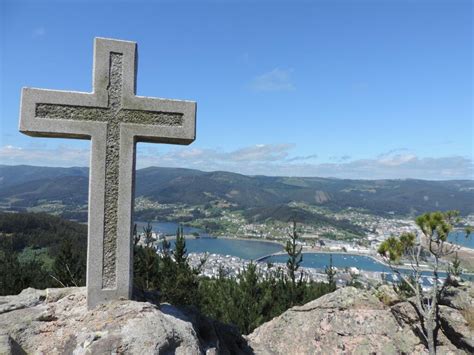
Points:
(249, 175)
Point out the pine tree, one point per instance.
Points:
(146, 261)
(148, 235)
(179, 252)
(295, 258)
(435, 228)
(250, 299)
(68, 268)
(165, 247)
(180, 281)
(330, 273)
(455, 266)
(9, 268)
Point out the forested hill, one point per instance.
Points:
(40, 230)
(34, 249)
(23, 186)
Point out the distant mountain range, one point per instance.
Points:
(23, 186)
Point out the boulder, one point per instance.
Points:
(348, 320)
(354, 321)
(387, 295)
(56, 321)
(460, 298)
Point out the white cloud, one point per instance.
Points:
(260, 152)
(40, 155)
(275, 80)
(263, 159)
(397, 160)
(340, 158)
(275, 159)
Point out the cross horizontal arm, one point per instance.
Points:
(40, 110)
(69, 112)
(151, 117)
(159, 120)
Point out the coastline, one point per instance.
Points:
(376, 258)
(230, 238)
(312, 250)
(253, 240)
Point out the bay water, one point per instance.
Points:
(252, 249)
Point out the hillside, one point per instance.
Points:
(39, 230)
(22, 187)
(30, 246)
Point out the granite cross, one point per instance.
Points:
(114, 119)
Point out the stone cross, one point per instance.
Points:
(114, 119)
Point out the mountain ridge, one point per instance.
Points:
(26, 186)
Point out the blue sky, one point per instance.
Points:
(351, 89)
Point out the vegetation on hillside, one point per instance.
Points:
(285, 213)
(28, 186)
(246, 301)
(39, 250)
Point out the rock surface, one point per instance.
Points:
(353, 321)
(347, 321)
(56, 321)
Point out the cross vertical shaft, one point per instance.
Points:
(112, 172)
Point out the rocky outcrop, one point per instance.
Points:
(353, 321)
(455, 327)
(387, 295)
(460, 297)
(56, 321)
(347, 321)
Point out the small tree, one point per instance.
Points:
(146, 261)
(435, 228)
(295, 257)
(165, 247)
(250, 298)
(179, 252)
(180, 281)
(455, 266)
(68, 268)
(330, 273)
(148, 235)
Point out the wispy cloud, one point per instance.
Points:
(401, 166)
(275, 80)
(276, 159)
(263, 159)
(302, 158)
(260, 152)
(40, 155)
(340, 158)
(392, 152)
